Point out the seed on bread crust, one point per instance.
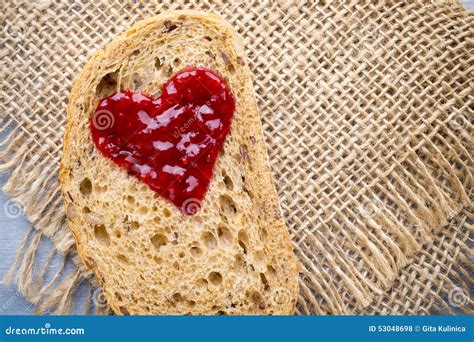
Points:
(169, 26)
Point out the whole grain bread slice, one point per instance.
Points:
(234, 256)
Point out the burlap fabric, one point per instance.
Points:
(367, 109)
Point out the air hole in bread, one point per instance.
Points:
(167, 71)
(143, 210)
(177, 297)
(223, 218)
(209, 240)
(227, 205)
(85, 187)
(211, 55)
(224, 233)
(196, 251)
(228, 183)
(118, 296)
(249, 193)
(176, 62)
(201, 283)
(239, 261)
(101, 234)
(271, 270)
(243, 246)
(191, 303)
(264, 281)
(243, 236)
(231, 69)
(243, 240)
(166, 212)
(122, 258)
(107, 85)
(255, 297)
(130, 225)
(136, 52)
(208, 38)
(215, 278)
(86, 210)
(159, 240)
(221, 313)
(176, 236)
(181, 254)
(130, 199)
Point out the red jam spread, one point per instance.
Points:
(171, 143)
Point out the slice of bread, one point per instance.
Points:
(234, 256)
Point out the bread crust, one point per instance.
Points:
(258, 217)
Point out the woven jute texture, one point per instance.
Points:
(367, 109)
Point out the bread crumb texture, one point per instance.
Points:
(234, 256)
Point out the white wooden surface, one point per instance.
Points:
(12, 231)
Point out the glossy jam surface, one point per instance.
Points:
(171, 143)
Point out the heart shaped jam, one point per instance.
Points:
(170, 143)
